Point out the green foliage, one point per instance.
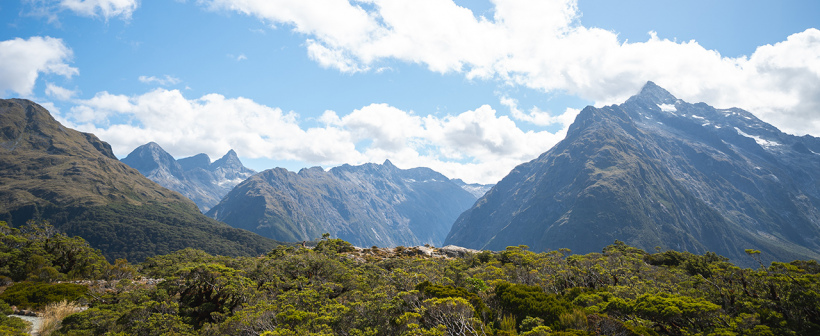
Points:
(447, 291)
(208, 293)
(333, 246)
(137, 232)
(326, 291)
(523, 301)
(38, 252)
(13, 326)
(5, 309)
(36, 295)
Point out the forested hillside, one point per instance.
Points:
(336, 289)
(73, 180)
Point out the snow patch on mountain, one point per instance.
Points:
(760, 141)
(668, 108)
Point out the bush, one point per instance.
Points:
(523, 301)
(35, 296)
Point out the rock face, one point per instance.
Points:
(366, 205)
(657, 171)
(74, 181)
(196, 177)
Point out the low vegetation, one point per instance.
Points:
(336, 289)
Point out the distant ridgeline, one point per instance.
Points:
(371, 204)
(195, 177)
(656, 171)
(74, 181)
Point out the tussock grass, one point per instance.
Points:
(54, 314)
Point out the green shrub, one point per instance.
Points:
(34, 295)
(5, 309)
(522, 301)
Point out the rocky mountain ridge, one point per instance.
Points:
(73, 180)
(195, 177)
(657, 171)
(370, 204)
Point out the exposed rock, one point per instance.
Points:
(657, 171)
(367, 205)
(453, 251)
(196, 177)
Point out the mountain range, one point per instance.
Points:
(73, 180)
(195, 177)
(370, 204)
(658, 172)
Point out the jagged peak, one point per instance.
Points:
(230, 159)
(151, 147)
(388, 164)
(655, 94)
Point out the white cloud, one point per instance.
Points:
(537, 117)
(540, 44)
(105, 8)
(166, 80)
(58, 92)
(22, 62)
(475, 145)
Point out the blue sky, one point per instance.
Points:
(469, 88)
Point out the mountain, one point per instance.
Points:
(74, 181)
(476, 189)
(196, 177)
(656, 171)
(366, 205)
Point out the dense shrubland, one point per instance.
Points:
(336, 289)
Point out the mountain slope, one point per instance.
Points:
(657, 171)
(367, 205)
(196, 177)
(74, 181)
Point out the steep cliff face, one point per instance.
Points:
(367, 205)
(657, 171)
(195, 177)
(74, 181)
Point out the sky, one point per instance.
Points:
(468, 88)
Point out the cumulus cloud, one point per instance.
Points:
(477, 145)
(537, 117)
(540, 44)
(22, 62)
(59, 92)
(165, 80)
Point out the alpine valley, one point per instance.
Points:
(73, 180)
(658, 172)
(367, 205)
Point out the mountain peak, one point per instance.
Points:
(230, 159)
(655, 94)
(151, 156)
(388, 164)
